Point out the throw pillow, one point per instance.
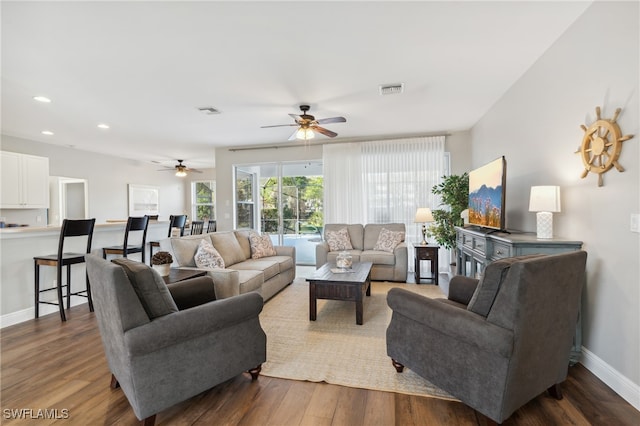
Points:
(388, 240)
(490, 283)
(338, 240)
(149, 286)
(207, 256)
(228, 246)
(261, 245)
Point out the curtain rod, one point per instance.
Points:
(328, 142)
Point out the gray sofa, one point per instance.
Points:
(160, 355)
(386, 266)
(242, 274)
(496, 343)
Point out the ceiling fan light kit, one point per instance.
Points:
(308, 125)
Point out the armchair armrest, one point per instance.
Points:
(192, 292)
(182, 326)
(461, 289)
(457, 323)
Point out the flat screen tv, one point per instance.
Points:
(487, 194)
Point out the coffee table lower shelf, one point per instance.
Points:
(350, 286)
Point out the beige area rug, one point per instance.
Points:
(333, 348)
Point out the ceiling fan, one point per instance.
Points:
(308, 125)
(180, 169)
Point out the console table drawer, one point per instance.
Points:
(472, 242)
(500, 251)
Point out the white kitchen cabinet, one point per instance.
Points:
(25, 181)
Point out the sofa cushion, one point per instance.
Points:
(378, 257)
(269, 267)
(261, 245)
(228, 246)
(372, 233)
(338, 240)
(284, 262)
(250, 280)
(490, 283)
(207, 256)
(184, 248)
(243, 239)
(149, 286)
(388, 240)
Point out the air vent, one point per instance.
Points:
(391, 89)
(208, 110)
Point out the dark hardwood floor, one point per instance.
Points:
(58, 366)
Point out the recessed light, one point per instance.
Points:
(103, 126)
(47, 132)
(43, 99)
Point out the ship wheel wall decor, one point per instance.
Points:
(601, 145)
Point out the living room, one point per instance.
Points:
(535, 124)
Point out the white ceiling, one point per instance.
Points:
(145, 67)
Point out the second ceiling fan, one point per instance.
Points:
(308, 125)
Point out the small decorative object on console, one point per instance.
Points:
(161, 262)
(344, 260)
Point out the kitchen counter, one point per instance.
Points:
(19, 246)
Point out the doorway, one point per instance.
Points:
(284, 200)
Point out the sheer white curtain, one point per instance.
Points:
(342, 170)
(384, 181)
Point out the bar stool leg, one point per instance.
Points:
(37, 288)
(60, 297)
(68, 286)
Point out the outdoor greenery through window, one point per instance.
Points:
(301, 204)
(244, 200)
(203, 195)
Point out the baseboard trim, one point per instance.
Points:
(28, 314)
(620, 384)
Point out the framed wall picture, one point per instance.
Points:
(143, 200)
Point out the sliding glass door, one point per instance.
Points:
(286, 200)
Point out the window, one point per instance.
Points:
(245, 196)
(203, 194)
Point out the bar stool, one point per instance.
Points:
(70, 228)
(134, 224)
(196, 227)
(211, 226)
(177, 221)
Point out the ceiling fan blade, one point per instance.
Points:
(293, 136)
(193, 170)
(324, 131)
(278, 125)
(295, 117)
(331, 120)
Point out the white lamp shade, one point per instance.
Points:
(423, 215)
(544, 199)
(304, 133)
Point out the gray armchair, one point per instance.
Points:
(494, 344)
(160, 355)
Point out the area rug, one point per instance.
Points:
(333, 348)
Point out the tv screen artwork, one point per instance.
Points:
(486, 194)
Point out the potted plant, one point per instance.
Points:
(454, 193)
(161, 262)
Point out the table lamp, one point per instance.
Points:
(424, 216)
(544, 200)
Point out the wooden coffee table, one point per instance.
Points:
(348, 286)
(176, 274)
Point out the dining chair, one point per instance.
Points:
(211, 226)
(70, 228)
(196, 227)
(175, 221)
(134, 224)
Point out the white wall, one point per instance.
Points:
(536, 126)
(108, 177)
